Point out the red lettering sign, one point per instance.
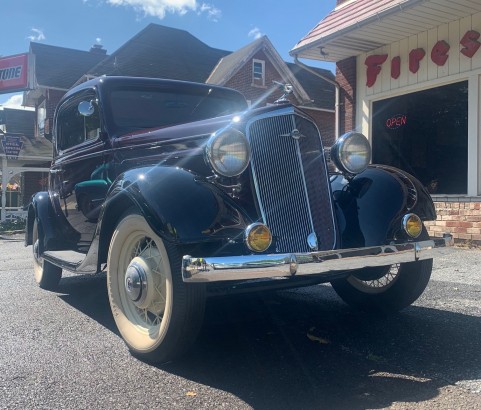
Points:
(415, 57)
(13, 73)
(470, 43)
(439, 53)
(396, 121)
(374, 63)
(396, 67)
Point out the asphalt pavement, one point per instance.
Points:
(296, 349)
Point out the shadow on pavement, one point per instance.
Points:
(305, 349)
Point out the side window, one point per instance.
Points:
(72, 127)
(258, 72)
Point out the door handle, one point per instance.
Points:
(55, 171)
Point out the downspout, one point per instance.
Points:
(338, 92)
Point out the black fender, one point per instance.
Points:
(180, 207)
(54, 231)
(370, 206)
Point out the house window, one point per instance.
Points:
(41, 116)
(258, 72)
(426, 134)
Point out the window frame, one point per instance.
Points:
(261, 81)
(72, 104)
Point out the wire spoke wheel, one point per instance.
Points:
(387, 289)
(376, 283)
(150, 303)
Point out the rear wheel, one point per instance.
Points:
(46, 275)
(157, 314)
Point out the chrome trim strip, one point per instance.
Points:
(303, 175)
(314, 263)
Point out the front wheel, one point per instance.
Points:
(46, 275)
(385, 289)
(157, 314)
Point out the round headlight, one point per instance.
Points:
(351, 153)
(228, 152)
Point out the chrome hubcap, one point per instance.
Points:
(138, 278)
(136, 282)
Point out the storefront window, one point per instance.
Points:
(426, 134)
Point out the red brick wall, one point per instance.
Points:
(242, 81)
(325, 122)
(461, 219)
(346, 77)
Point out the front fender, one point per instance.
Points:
(178, 206)
(370, 206)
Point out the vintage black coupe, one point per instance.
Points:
(180, 191)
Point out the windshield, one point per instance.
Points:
(135, 109)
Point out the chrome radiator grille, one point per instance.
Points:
(291, 183)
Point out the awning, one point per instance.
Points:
(360, 26)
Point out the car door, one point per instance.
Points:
(79, 173)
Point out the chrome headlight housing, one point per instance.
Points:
(228, 152)
(351, 153)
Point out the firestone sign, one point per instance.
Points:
(13, 73)
(12, 145)
(439, 55)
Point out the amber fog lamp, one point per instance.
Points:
(412, 225)
(258, 237)
(228, 152)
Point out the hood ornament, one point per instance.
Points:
(287, 89)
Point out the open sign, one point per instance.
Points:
(396, 121)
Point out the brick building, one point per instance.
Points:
(409, 76)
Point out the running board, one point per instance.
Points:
(69, 260)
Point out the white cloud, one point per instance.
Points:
(213, 13)
(255, 33)
(15, 101)
(37, 35)
(158, 8)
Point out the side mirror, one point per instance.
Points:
(86, 108)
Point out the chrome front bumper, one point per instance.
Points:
(217, 269)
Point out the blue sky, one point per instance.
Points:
(224, 24)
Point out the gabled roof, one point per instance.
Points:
(60, 68)
(321, 92)
(232, 63)
(359, 26)
(170, 53)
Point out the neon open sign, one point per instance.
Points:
(396, 121)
